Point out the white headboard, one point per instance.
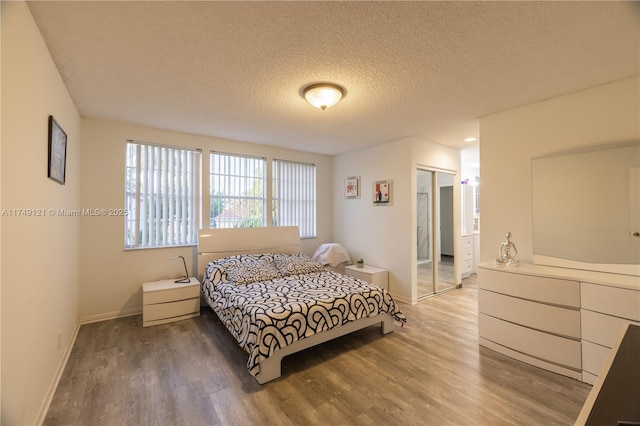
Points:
(218, 243)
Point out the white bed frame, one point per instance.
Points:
(218, 243)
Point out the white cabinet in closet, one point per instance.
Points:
(467, 255)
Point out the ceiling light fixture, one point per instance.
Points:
(470, 139)
(323, 95)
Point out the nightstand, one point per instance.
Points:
(167, 301)
(377, 276)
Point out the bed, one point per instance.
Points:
(276, 301)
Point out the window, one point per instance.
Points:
(294, 196)
(162, 192)
(237, 191)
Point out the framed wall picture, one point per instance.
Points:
(352, 187)
(57, 151)
(382, 195)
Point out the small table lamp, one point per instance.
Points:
(186, 278)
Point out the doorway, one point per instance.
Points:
(435, 232)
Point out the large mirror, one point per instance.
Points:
(586, 207)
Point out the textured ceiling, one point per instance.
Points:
(427, 69)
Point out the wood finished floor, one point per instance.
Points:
(430, 372)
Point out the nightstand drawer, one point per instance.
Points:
(170, 309)
(172, 294)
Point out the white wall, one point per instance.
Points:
(111, 276)
(510, 139)
(40, 255)
(470, 163)
(385, 236)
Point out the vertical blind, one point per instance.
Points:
(161, 195)
(237, 191)
(294, 196)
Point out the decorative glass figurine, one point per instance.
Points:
(508, 252)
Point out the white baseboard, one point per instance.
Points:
(403, 299)
(42, 413)
(110, 315)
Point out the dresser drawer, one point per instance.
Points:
(467, 255)
(548, 347)
(593, 357)
(602, 329)
(548, 318)
(537, 288)
(620, 302)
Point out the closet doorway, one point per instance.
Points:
(434, 233)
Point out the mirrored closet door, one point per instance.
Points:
(435, 232)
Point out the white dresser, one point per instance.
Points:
(531, 318)
(377, 276)
(167, 301)
(562, 320)
(615, 396)
(605, 311)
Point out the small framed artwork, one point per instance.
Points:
(352, 187)
(382, 193)
(57, 151)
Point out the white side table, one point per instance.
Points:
(167, 301)
(377, 276)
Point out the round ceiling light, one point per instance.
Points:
(323, 95)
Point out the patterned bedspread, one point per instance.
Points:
(267, 315)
